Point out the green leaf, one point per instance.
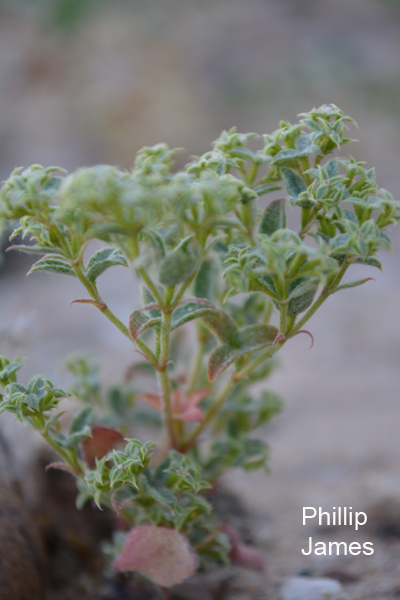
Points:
(139, 321)
(179, 264)
(301, 295)
(206, 281)
(52, 265)
(353, 284)
(370, 261)
(102, 260)
(249, 339)
(274, 217)
(222, 326)
(82, 421)
(294, 183)
(266, 188)
(35, 249)
(220, 359)
(8, 370)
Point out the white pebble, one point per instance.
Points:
(305, 588)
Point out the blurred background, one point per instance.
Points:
(89, 81)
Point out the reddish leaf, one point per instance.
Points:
(139, 321)
(192, 413)
(62, 467)
(243, 554)
(99, 305)
(159, 553)
(153, 399)
(102, 441)
(184, 408)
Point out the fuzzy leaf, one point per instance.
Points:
(301, 295)
(287, 155)
(219, 322)
(53, 265)
(102, 260)
(370, 261)
(206, 282)
(222, 326)
(250, 339)
(179, 264)
(220, 359)
(353, 284)
(8, 370)
(266, 188)
(36, 249)
(294, 183)
(81, 422)
(161, 554)
(274, 217)
(187, 312)
(139, 321)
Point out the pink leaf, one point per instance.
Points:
(159, 553)
(243, 554)
(102, 441)
(153, 399)
(99, 305)
(192, 413)
(61, 467)
(194, 398)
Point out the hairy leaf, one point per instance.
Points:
(294, 183)
(139, 321)
(274, 217)
(206, 282)
(102, 260)
(36, 249)
(161, 554)
(249, 339)
(52, 265)
(180, 263)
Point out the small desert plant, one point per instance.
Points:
(205, 252)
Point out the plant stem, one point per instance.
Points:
(183, 288)
(163, 379)
(198, 361)
(253, 364)
(211, 412)
(64, 455)
(326, 292)
(152, 287)
(94, 294)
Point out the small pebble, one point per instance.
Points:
(305, 588)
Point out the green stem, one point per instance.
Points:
(163, 379)
(256, 362)
(195, 372)
(326, 292)
(152, 287)
(183, 289)
(283, 309)
(94, 294)
(211, 412)
(64, 455)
